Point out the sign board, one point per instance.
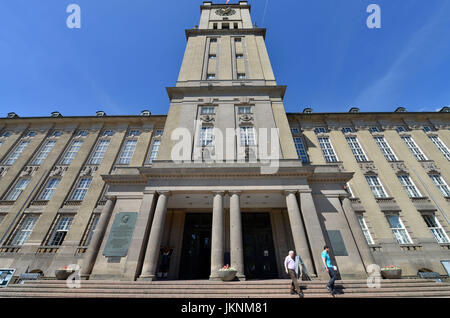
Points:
(5, 276)
(119, 238)
(337, 243)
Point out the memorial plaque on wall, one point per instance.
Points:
(337, 243)
(119, 238)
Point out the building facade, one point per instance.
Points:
(115, 193)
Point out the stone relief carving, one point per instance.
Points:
(58, 171)
(368, 167)
(430, 167)
(3, 170)
(207, 118)
(246, 118)
(29, 171)
(88, 171)
(399, 167)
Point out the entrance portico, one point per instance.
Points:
(285, 203)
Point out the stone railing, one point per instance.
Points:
(10, 249)
(411, 247)
(47, 249)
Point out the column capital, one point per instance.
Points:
(232, 192)
(111, 197)
(221, 192)
(290, 191)
(149, 192)
(164, 192)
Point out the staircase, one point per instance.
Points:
(278, 288)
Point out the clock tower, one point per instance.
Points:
(226, 81)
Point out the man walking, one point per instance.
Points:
(290, 266)
(330, 269)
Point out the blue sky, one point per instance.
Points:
(128, 51)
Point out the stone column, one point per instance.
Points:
(314, 231)
(141, 233)
(97, 238)
(154, 241)
(298, 229)
(217, 239)
(236, 242)
(355, 228)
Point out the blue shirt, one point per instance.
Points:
(327, 258)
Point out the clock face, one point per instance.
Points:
(225, 11)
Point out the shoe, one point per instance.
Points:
(329, 289)
(293, 292)
(301, 295)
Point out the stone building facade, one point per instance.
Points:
(107, 193)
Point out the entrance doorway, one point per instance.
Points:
(259, 251)
(196, 252)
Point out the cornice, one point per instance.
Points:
(181, 91)
(220, 32)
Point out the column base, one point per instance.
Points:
(146, 278)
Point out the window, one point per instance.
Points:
(210, 76)
(42, 155)
(17, 152)
(127, 151)
(237, 39)
(24, 231)
(436, 229)
(241, 76)
(347, 130)
(427, 128)
(208, 110)
(441, 146)
(441, 184)
(235, 25)
(409, 186)
(239, 56)
(376, 187)
(301, 149)
(212, 56)
(327, 150)
(71, 152)
(206, 136)
(50, 189)
(81, 133)
(56, 133)
(356, 149)
(365, 229)
(92, 227)
(213, 40)
(247, 136)
(348, 188)
(1, 143)
(99, 152)
(320, 130)
(81, 189)
(31, 134)
(214, 26)
(245, 110)
(401, 129)
(385, 149)
(155, 150)
(295, 131)
(6, 134)
(61, 230)
(374, 129)
(225, 26)
(159, 132)
(108, 133)
(417, 152)
(134, 133)
(397, 227)
(18, 189)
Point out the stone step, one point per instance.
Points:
(219, 285)
(216, 291)
(137, 295)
